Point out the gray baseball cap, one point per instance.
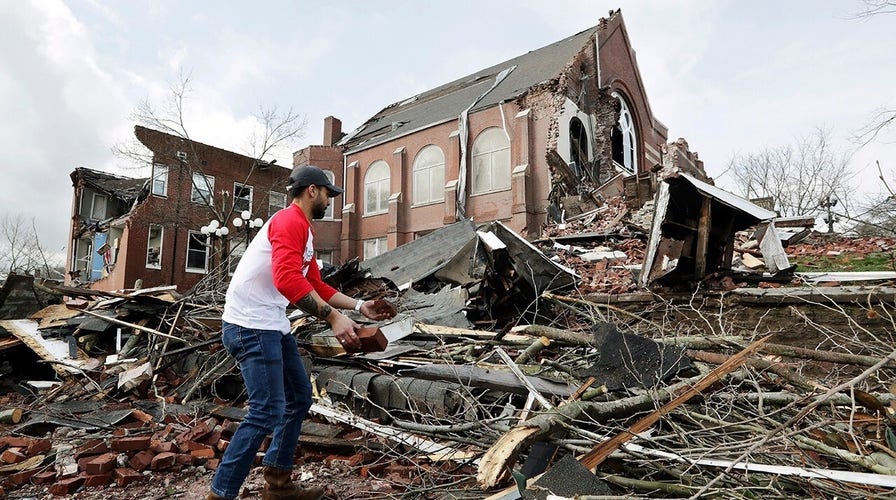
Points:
(306, 175)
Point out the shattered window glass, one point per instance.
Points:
(376, 188)
(197, 252)
(624, 138)
(242, 197)
(429, 175)
(203, 185)
(490, 165)
(154, 247)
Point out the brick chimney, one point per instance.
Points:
(332, 130)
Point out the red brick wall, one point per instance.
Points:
(619, 70)
(178, 215)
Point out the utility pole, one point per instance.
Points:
(828, 203)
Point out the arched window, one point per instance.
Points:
(332, 178)
(490, 167)
(625, 141)
(376, 188)
(578, 146)
(429, 175)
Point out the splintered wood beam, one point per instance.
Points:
(601, 451)
(116, 321)
(703, 228)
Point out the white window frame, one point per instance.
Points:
(328, 215)
(236, 187)
(375, 246)
(629, 135)
(198, 194)
(149, 238)
(489, 157)
(429, 176)
(204, 240)
(380, 187)
(272, 207)
(93, 206)
(160, 178)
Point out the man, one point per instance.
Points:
(278, 269)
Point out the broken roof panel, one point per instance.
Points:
(732, 200)
(125, 188)
(418, 259)
(446, 102)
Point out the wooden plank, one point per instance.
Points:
(703, 228)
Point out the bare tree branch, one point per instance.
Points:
(798, 176)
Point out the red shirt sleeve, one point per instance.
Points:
(288, 233)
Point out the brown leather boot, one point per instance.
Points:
(213, 496)
(279, 486)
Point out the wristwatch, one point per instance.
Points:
(359, 304)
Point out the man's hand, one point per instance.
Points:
(378, 310)
(344, 330)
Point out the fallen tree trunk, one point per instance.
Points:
(497, 460)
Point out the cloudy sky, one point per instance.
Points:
(729, 76)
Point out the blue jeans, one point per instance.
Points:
(279, 398)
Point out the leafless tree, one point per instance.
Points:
(801, 177)
(273, 129)
(21, 251)
(882, 119)
(875, 7)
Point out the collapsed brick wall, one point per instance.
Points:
(678, 156)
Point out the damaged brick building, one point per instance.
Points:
(151, 229)
(515, 142)
(525, 142)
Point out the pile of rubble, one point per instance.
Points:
(507, 373)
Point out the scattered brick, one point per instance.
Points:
(184, 459)
(196, 433)
(38, 446)
(163, 461)
(44, 477)
(222, 444)
(66, 486)
(14, 442)
(92, 447)
(141, 460)
(142, 416)
(13, 456)
(21, 477)
(162, 447)
(203, 453)
(212, 438)
(212, 464)
(125, 476)
(135, 443)
(97, 479)
(101, 464)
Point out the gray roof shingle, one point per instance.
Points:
(448, 101)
